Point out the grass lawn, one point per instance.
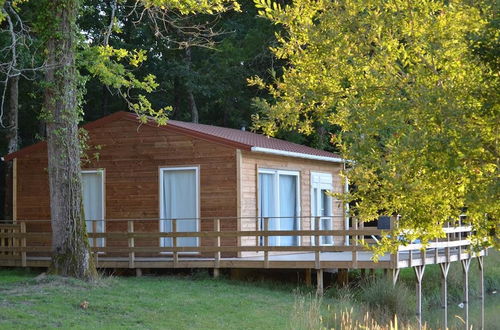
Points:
(148, 302)
(199, 302)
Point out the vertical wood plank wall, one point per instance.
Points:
(250, 164)
(131, 156)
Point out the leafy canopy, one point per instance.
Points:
(414, 102)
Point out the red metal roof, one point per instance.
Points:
(227, 136)
(251, 139)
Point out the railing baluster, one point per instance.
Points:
(131, 245)
(266, 243)
(174, 243)
(23, 243)
(257, 228)
(94, 230)
(2, 242)
(317, 256)
(356, 239)
(217, 245)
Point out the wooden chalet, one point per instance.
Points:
(187, 195)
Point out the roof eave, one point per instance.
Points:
(297, 155)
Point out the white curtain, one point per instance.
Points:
(180, 203)
(288, 208)
(267, 207)
(278, 202)
(92, 204)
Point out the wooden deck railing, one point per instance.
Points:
(32, 240)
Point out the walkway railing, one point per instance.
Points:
(129, 241)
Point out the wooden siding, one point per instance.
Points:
(131, 156)
(250, 164)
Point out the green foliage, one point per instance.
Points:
(112, 66)
(412, 87)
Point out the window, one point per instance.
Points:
(179, 200)
(321, 204)
(93, 204)
(279, 202)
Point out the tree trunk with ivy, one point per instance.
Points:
(70, 247)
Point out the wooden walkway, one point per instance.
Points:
(30, 248)
(28, 244)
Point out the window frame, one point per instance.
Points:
(320, 185)
(102, 172)
(276, 173)
(161, 170)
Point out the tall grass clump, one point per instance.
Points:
(306, 314)
(385, 300)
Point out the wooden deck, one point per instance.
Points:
(20, 247)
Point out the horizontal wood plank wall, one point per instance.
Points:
(131, 156)
(252, 161)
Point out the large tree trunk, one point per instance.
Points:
(191, 101)
(12, 140)
(70, 248)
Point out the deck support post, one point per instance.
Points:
(395, 276)
(419, 274)
(319, 282)
(308, 277)
(445, 267)
(343, 277)
(465, 268)
(138, 272)
(216, 272)
(480, 262)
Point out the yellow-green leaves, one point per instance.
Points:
(113, 67)
(186, 7)
(418, 111)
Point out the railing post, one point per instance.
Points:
(94, 242)
(356, 238)
(2, 240)
(317, 256)
(23, 243)
(131, 244)
(257, 228)
(174, 242)
(94, 231)
(217, 245)
(266, 243)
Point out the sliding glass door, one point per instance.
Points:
(93, 204)
(279, 201)
(179, 200)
